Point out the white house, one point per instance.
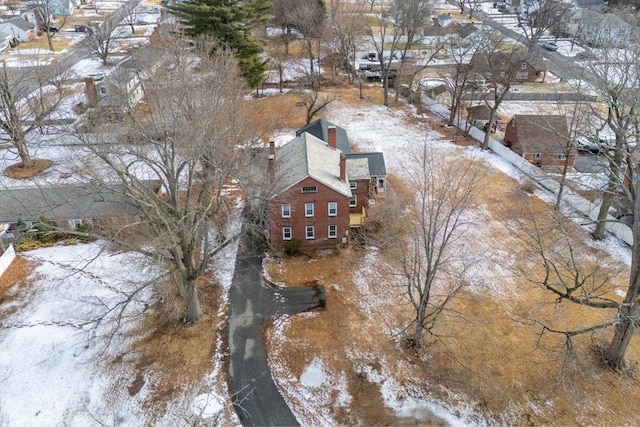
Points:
(62, 7)
(19, 29)
(603, 29)
(5, 41)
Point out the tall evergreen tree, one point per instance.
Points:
(231, 23)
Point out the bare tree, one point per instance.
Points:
(348, 29)
(308, 17)
(44, 17)
(616, 82)
(385, 36)
(499, 61)
(433, 270)
(542, 16)
(410, 16)
(194, 140)
(458, 76)
(280, 11)
(101, 41)
(278, 60)
(131, 19)
(27, 98)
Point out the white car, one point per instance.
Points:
(549, 45)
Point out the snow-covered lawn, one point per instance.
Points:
(58, 366)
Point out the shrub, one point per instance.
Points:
(292, 247)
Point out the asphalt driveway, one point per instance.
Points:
(252, 302)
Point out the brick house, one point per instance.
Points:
(540, 139)
(310, 205)
(500, 66)
(321, 188)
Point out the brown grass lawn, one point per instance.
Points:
(493, 358)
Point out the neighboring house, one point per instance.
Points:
(502, 66)
(479, 115)
(446, 24)
(62, 7)
(5, 41)
(310, 206)
(29, 16)
(540, 139)
(117, 93)
(19, 29)
(467, 29)
(321, 188)
(604, 29)
(441, 93)
(66, 205)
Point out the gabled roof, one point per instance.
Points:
(20, 23)
(501, 61)
(479, 112)
(308, 156)
(5, 36)
(365, 165)
(320, 129)
(63, 202)
(541, 133)
(603, 20)
(588, 3)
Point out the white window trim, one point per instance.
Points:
(536, 156)
(353, 185)
(290, 233)
(306, 232)
(335, 236)
(335, 210)
(562, 156)
(306, 211)
(353, 199)
(288, 209)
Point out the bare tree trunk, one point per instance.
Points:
(563, 178)
(194, 311)
(609, 192)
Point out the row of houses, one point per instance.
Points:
(321, 191)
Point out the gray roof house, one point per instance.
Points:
(66, 205)
(19, 28)
(5, 40)
(320, 129)
(604, 29)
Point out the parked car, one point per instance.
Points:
(141, 22)
(52, 29)
(90, 7)
(586, 55)
(549, 45)
(594, 145)
(82, 29)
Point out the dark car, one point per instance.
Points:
(52, 29)
(82, 29)
(585, 55)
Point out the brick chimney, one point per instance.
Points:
(343, 167)
(331, 136)
(272, 161)
(92, 92)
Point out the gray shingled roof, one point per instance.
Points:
(541, 133)
(319, 129)
(20, 23)
(63, 202)
(308, 156)
(374, 161)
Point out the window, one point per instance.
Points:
(103, 90)
(535, 156)
(309, 232)
(308, 210)
(333, 208)
(286, 233)
(353, 201)
(74, 223)
(309, 189)
(562, 156)
(286, 210)
(523, 66)
(333, 231)
(353, 185)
